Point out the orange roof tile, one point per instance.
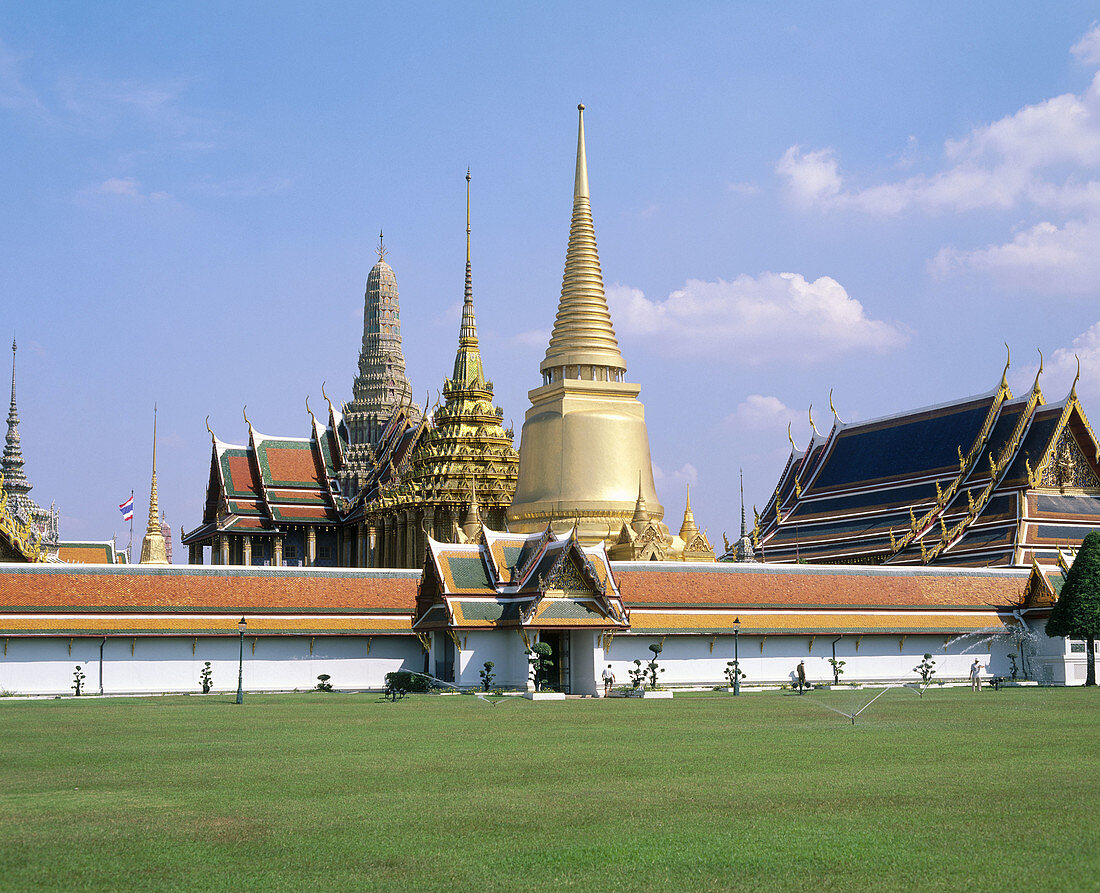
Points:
(186, 588)
(819, 585)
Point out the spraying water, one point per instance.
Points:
(439, 683)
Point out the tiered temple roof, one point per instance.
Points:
(992, 480)
(506, 580)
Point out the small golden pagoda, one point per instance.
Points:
(153, 547)
(584, 442)
(463, 470)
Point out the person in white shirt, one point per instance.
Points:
(975, 676)
(608, 681)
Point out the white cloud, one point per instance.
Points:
(753, 320)
(125, 187)
(1046, 258)
(1063, 367)
(532, 338)
(743, 188)
(685, 474)
(1043, 154)
(1087, 49)
(15, 93)
(812, 178)
(760, 413)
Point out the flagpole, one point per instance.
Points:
(130, 547)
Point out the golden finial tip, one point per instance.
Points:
(580, 107)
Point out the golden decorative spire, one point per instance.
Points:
(641, 513)
(381, 249)
(153, 547)
(688, 530)
(583, 334)
(468, 371)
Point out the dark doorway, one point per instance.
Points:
(445, 661)
(557, 675)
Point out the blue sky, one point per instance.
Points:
(788, 198)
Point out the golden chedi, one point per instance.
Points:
(154, 549)
(584, 441)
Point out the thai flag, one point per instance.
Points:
(127, 509)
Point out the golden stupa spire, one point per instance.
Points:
(688, 530)
(468, 370)
(153, 548)
(583, 334)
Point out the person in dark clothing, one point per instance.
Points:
(801, 670)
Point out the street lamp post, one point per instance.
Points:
(242, 626)
(736, 662)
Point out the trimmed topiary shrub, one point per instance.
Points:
(405, 680)
(1076, 614)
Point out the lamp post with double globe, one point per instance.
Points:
(242, 626)
(736, 662)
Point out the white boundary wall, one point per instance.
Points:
(149, 664)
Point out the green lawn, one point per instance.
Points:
(765, 791)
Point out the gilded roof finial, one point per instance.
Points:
(1076, 378)
(153, 549)
(813, 427)
(688, 528)
(1008, 362)
(791, 438)
(312, 418)
(213, 436)
(833, 408)
(1035, 386)
(381, 249)
(468, 371)
(583, 333)
(244, 412)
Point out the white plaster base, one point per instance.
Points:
(664, 694)
(544, 695)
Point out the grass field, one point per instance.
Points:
(766, 791)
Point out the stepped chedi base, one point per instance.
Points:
(584, 441)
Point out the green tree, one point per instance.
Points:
(1076, 614)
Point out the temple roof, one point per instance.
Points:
(939, 485)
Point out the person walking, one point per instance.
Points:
(608, 681)
(975, 676)
(801, 675)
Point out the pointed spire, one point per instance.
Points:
(583, 333)
(468, 371)
(471, 524)
(744, 530)
(15, 480)
(641, 513)
(688, 530)
(381, 249)
(153, 547)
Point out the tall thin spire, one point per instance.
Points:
(153, 547)
(583, 334)
(15, 479)
(468, 370)
(744, 530)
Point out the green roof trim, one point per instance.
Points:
(469, 572)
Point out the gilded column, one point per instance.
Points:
(311, 547)
(223, 549)
(246, 559)
(277, 560)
